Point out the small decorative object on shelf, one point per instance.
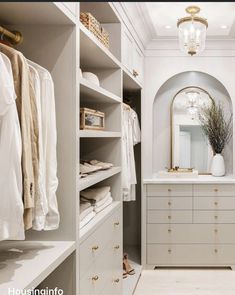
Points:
(92, 24)
(218, 129)
(91, 119)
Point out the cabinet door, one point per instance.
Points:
(127, 50)
(138, 64)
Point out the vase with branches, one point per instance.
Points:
(217, 127)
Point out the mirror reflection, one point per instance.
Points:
(190, 148)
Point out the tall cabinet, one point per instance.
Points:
(87, 260)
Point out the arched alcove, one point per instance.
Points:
(161, 114)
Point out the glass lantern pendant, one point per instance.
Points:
(192, 31)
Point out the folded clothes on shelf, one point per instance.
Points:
(87, 219)
(87, 167)
(104, 165)
(109, 201)
(95, 194)
(85, 209)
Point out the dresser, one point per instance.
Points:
(101, 258)
(189, 222)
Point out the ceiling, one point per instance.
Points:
(161, 18)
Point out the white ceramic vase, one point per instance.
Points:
(218, 167)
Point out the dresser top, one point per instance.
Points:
(203, 179)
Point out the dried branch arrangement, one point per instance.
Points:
(215, 126)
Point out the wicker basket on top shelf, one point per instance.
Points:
(91, 23)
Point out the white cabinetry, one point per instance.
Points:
(132, 57)
(189, 224)
(72, 7)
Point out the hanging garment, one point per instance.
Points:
(11, 208)
(131, 136)
(49, 140)
(20, 71)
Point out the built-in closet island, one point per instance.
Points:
(80, 257)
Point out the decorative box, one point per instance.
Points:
(91, 119)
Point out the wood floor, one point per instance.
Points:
(186, 282)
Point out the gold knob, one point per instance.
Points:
(216, 251)
(116, 247)
(169, 203)
(116, 223)
(169, 190)
(135, 73)
(169, 230)
(216, 203)
(216, 190)
(216, 217)
(169, 217)
(116, 281)
(169, 251)
(94, 248)
(95, 278)
(216, 230)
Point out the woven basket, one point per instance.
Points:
(91, 23)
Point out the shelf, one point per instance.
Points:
(93, 53)
(24, 265)
(94, 133)
(130, 283)
(93, 93)
(97, 177)
(129, 82)
(97, 220)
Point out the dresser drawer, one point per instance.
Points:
(163, 203)
(214, 216)
(192, 255)
(94, 245)
(169, 216)
(165, 190)
(207, 190)
(190, 233)
(214, 203)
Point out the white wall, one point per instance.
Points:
(159, 69)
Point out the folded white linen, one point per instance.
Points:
(87, 219)
(96, 194)
(84, 205)
(107, 203)
(101, 202)
(85, 212)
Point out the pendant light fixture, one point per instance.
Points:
(192, 31)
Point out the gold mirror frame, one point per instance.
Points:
(171, 118)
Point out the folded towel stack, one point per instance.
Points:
(88, 167)
(93, 201)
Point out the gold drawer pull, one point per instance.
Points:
(216, 250)
(216, 203)
(94, 248)
(216, 230)
(169, 190)
(216, 217)
(169, 251)
(169, 203)
(95, 278)
(116, 247)
(116, 281)
(216, 190)
(116, 223)
(169, 230)
(169, 217)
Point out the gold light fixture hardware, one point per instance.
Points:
(116, 223)
(193, 10)
(95, 278)
(116, 281)
(15, 37)
(94, 248)
(117, 247)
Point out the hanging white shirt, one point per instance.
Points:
(11, 208)
(49, 140)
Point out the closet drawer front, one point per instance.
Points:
(165, 190)
(190, 233)
(214, 203)
(191, 254)
(95, 244)
(164, 203)
(214, 216)
(169, 216)
(207, 190)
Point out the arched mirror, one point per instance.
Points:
(189, 146)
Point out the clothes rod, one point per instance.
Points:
(14, 36)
